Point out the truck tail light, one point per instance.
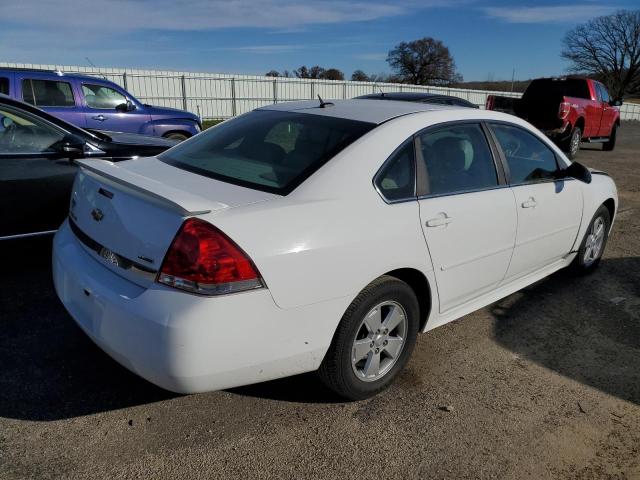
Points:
(202, 259)
(563, 111)
(489, 103)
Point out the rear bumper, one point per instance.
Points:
(187, 343)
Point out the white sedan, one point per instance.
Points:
(312, 236)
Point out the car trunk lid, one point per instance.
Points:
(126, 214)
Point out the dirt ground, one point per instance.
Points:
(544, 384)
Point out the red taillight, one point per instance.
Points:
(204, 260)
(489, 103)
(563, 111)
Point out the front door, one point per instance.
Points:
(549, 210)
(35, 183)
(609, 112)
(467, 213)
(106, 110)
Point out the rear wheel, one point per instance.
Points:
(611, 143)
(594, 242)
(571, 146)
(374, 340)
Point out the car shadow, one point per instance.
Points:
(50, 369)
(586, 328)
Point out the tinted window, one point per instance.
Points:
(4, 85)
(47, 93)
(99, 96)
(556, 87)
(457, 159)
(528, 158)
(396, 180)
(25, 134)
(267, 150)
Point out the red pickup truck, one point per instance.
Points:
(568, 110)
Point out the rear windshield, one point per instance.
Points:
(266, 150)
(548, 87)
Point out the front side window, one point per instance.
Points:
(4, 85)
(604, 95)
(267, 150)
(47, 93)
(528, 158)
(396, 180)
(20, 133)
(457, 159)
(99, 96)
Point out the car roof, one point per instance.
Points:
(359, 109)
(56, 73)
(403, 95)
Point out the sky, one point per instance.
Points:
(487, 38)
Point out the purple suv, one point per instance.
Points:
(95, 103)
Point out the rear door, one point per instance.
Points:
(549, 210)
(54, 95)
(467, 213)
(35, 183)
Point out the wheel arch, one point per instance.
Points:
(580, 124)
(420, 286)
(610, 204)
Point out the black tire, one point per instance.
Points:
(571, 146)
(610, 144)
(336, 370)
(176, 136)
(580, 265)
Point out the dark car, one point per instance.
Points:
(37, 155)
(421, 97)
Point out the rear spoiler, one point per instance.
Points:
(185, 203)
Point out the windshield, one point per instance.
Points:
(266, 150)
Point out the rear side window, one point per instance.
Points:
(397, 180)
(457, 159)
(528, 158)
(266, 150)
(4, 85)
(47, 93)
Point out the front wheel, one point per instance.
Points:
(610, 144)
(176, 136)
(594, 242)
(374, 340)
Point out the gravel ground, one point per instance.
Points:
(543, 384)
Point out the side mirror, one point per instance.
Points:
(615, 103)
(578, 171)
(71, 146)
(128, 106)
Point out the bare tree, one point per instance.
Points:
(360, 76)
(608, 47)
(272, 73)
(422, 62)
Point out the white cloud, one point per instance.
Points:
(188, 15)
(554, 14)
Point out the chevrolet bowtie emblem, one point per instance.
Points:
(97, 214)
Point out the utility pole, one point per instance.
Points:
(513, 77)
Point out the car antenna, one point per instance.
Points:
(93, 65)
(323, 103)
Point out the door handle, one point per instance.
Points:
(531, 203)
(100, 118)
(439, 221)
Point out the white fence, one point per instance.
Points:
(220, 96)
